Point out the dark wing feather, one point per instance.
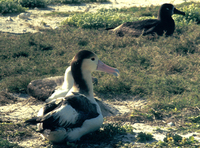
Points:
(46, 109)
(50, 120)
(47, 119)
(84, 107)
(52, 105)
(139, 27)
(144, 24)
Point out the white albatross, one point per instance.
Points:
(62, 91)
(66, 86)
(69, 118)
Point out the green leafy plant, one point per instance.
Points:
(9, 6)
(103, 18)
(75, 1)
(12, 132)
(192, 14)
(7, 144)
(177, 140)
(143, 137)
(106, 132)
(32, 3)
(195, 119)
(106, 18)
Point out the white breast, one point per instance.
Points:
(66, 86)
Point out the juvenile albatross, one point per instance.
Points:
(70, 118)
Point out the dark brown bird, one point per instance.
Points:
(164, 24)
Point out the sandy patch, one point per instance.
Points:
(34, 19)
(28, 107)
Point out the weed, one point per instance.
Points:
(177, 140)
(191, 15)
(6, 143)
(43, 23)
(106, 132)
(104, 136)
(13, 6)
(60, 14)
(103, 18)
(195, 119)
(143, 137)
(32, 3)
(75, 1)
(13, 132)
(9, 6)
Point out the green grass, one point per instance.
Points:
(7, 144)
(10, 133)
(9, 6)
(163, 70)
(143, 137)
(18, 6)
(108, 18)
(60, 14)
(103, 18)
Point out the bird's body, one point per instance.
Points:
(66, 86)
(62, 91)
(164, 24)
(69, 118)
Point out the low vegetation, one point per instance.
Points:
(164, 70)
(108, 18)
(12, 132)
(11, 6)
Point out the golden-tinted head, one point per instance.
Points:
(85, 60)
(88, 61)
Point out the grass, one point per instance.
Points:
(8, 144)
(110, 18)
(163, 70)
(17, 132)
(18, 6)
(9, 6)
(13, 132)
(60, 14)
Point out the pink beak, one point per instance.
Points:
(105, 68)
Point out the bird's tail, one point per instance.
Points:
(109, 28)
(32, 121)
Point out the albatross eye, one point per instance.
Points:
(92, 59)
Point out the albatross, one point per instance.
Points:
(164, 24)
(71, 117)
